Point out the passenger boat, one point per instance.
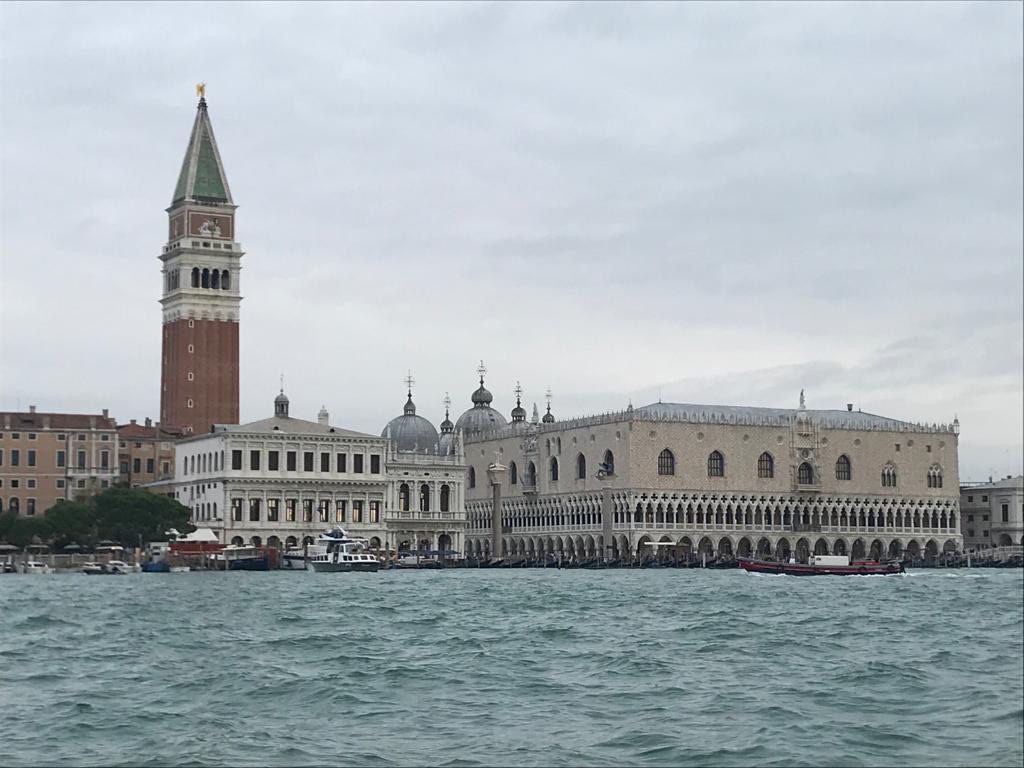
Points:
(824, 565)
(34, 566)
(342, 554)
(241, 558)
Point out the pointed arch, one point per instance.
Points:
(805, 474)
(581, 467)
(716, 464)
(844, 470)
(666, 463)
(553, 469)
(609, 462)
(513, 474)
(765, 466)
(472, 477)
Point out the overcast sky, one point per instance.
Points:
(719, 203)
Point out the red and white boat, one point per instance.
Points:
(824, 565)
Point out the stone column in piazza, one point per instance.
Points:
(496, 476)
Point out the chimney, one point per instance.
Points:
(849, 407)
(105, 413)
(31, 409)
(149, 422)
(132, 421)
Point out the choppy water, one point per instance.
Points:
(525, 667)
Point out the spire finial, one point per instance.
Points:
(803, 404)
(481, 369)
(447, 402)
(409, 381)
(201, 90)
(518, 392)
(282, 383)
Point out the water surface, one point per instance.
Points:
(522, 667)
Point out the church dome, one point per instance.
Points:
(410, 432)
(481, 417)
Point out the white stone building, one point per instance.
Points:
(281, 481)
(715, 480)
(993, 513)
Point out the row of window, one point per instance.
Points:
(309, 461)
(715, 467)
(405, 498)
(60, 458)
(209, 278)
(136, 466)
(60, 436)
(292, 508)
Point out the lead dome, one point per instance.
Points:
(409, 432)
(481, 417)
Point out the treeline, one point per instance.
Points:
(123, 515)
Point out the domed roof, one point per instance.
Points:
(281, 404)
(410, 432)
(480, 418)
(482, 396)
(549, 417)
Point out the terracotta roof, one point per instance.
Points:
(152, 432)
(69, 421)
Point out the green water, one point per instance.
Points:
(522, 667)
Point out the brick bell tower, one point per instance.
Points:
(201, 264)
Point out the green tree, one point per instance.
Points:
(22, 531)
(124, 515)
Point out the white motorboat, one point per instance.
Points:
(122, 567)
(34, 566)
(342, 554)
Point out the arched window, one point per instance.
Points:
(554, 470)
(609, 462)
(446, 498)
(716, 465)
(225, 280)
(215, 279)
(805, 474)
(472, 477)
(889, 476)
(666, 463)
(403, 497)
(935, 476)
(581, 467)
(513, 474)
(765, 466)
(843, 468)
(195, 277)
(425, 498)
(531, 474)
(206, 278)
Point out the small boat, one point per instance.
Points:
(122, 567)
(156, 566)
(342, 554)
(34, 566)
(824, 565)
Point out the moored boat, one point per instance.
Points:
(34, 566)
(823, 565)
(241, 558)
(342, 554)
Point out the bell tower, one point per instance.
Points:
(201, 265)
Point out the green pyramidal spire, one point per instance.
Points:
(202, 177)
